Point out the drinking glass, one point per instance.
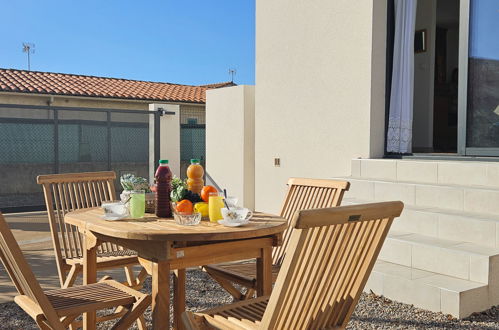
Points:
(137, 203)
(215, 205)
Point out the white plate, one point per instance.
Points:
(113, 217)
(231, 223)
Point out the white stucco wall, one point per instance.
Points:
(169, 130)
(320, 78)
(230, 136)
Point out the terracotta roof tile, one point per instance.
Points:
(12, 80)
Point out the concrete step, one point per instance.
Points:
(468, 173)
(428, 290)
(480, 200)
(446, 224)
(462, 260)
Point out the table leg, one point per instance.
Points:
(264, 273)
(179, 298)
(89, 276)
(160, 295)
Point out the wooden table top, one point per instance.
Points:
(152, 228)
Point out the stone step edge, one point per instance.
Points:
(427, 160)
(402, 237)
(456, 186)
(461, 214)
(494, 164)
(474, 284)
(446, 286)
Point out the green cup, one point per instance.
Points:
(137, 203)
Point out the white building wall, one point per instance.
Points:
(169, 143)
(230, 136)
(320, 79)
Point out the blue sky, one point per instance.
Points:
(178, 41)
(484, 28)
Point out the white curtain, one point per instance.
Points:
(399, 137)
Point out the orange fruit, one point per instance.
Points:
(205, 192)
(184, 206)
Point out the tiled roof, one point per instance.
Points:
(21, 81)
(219, 85)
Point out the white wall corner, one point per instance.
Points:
(169, 143)
(249, 146)
(378, 80)
(230, 150)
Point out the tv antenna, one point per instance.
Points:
(232, 73)
(28, 48)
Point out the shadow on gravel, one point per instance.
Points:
(384, 323)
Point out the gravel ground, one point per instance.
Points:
(372, 312)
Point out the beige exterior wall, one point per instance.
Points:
(320, 81)
(92, 102)
(192, 111)
(169, 144)
(67, 101)
(230, 149)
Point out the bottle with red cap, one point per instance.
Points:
(163, 178)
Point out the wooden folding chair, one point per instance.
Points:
(58, 309)
(330, 256)
(73, 191)
(302, 194)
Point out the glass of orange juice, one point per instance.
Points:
(215, 205)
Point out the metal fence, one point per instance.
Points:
(38, 140)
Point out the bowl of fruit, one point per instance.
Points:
(188, 208)
(183, 213)
(187, 219)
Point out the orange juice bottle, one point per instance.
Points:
(195, 174)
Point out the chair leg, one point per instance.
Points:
(193, 321)
(68, 321)
(105, 278)
(132, 281)
(142, 277)
(133, 313)
(130, 276)
(250, 293)
(227, 285)
(72, 276)
(43, 325)
(141, 323)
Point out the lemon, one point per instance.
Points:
(202, 208)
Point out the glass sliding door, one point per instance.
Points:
(479, 94)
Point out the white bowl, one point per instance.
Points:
(115, 208)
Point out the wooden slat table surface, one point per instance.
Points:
(163, 245)
(152, 228)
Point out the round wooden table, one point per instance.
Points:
(163, 245)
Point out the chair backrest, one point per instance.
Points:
(331, 254)
(20, 272)
(306, 194)
(72, 191)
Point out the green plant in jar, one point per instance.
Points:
(131, 182)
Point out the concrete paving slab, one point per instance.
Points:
(32, 232)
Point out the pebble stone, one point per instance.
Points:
(372, 311)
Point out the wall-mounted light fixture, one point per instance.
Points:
(162, 112)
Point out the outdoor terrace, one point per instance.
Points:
(33, 234)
